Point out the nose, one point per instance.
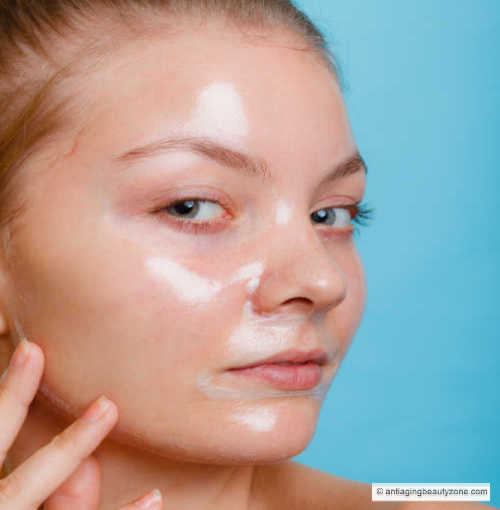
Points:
(300, 275)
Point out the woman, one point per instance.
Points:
(179, 190)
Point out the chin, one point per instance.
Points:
(266, 431)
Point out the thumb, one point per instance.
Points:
(80, 491)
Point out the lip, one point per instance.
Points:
(303, 375)
(317, 356)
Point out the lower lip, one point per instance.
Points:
(285, 377)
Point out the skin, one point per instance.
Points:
(75, 275)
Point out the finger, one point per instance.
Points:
(40, 475)
(151, 501)
(17, 390)
(80, 491)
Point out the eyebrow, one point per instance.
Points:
(231, 158)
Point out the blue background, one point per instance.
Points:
(417, 398)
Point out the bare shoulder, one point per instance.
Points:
(291, 485)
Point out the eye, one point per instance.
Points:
(333, 216)
(195, 209)
(341, 217)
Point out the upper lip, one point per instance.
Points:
(318, 356)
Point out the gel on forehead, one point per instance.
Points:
(220, 113)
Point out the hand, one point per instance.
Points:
(61, 474)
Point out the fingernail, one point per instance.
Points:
(21, 354)
(97, 410)
(149, 500)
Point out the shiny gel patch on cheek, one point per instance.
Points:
(189, 287)
(251, 272)
(283, 213)
(193, 288)
(220, 113)
(257, 419)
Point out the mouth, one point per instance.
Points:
(288, 370)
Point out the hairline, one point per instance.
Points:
(92, 56)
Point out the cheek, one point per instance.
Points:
(134, 322)
(189, 313)
(345, 318)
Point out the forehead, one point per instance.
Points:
(252, 91)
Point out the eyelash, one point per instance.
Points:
(363, 217)
(361, 214)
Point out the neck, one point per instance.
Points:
(128, 473)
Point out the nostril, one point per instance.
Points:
(298, 302)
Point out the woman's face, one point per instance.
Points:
(169, 238)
